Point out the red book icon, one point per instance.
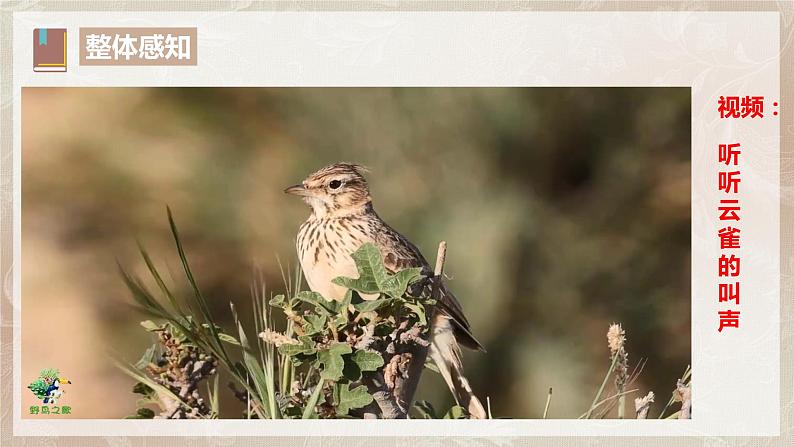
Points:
(49, 49)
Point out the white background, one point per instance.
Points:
(736, 373)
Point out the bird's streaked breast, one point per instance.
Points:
(324, 247)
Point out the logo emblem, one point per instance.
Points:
(49, 49)
(49, 386)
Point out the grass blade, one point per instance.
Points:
(262, 383)
(687, 374)
(158, 279)
(603, 384)
(309, 412)
(202, 302)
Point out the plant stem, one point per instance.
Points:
(419, 352)
(603, 384)
(548, 402)
(603, 401)
(684, 377)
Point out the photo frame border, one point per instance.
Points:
(786, 11)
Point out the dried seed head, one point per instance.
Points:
(643, 404)
(616, 338)
(643, 401)
(277, 338)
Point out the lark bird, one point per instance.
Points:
(342, 219)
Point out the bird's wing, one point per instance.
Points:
(398, 254)
(449, 305)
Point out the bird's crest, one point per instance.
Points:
(339, 168)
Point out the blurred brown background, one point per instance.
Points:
(565, 209)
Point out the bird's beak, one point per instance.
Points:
(64, 380)
(298, 190)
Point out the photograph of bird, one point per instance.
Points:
(342, 219)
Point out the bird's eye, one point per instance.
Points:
(335, 184)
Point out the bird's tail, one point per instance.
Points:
(445, 352)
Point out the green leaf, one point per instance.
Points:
(419, 310)
(351, 399)
(307, 346)
(368, 360)
(147, 358)
(228, 339)
(142, 389)
(373, 277)
(343, 305)
(425, 409)
(371, 306)
(371, 271)
(340, 315)
(456, 412)
(330, 361)
(384, 328)
(397, 284)
(151, 326)
(142, 413)
(351, 371)
(339, 321)
(316, 324)
(277, 301)
(361, 361)
(322, 305)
